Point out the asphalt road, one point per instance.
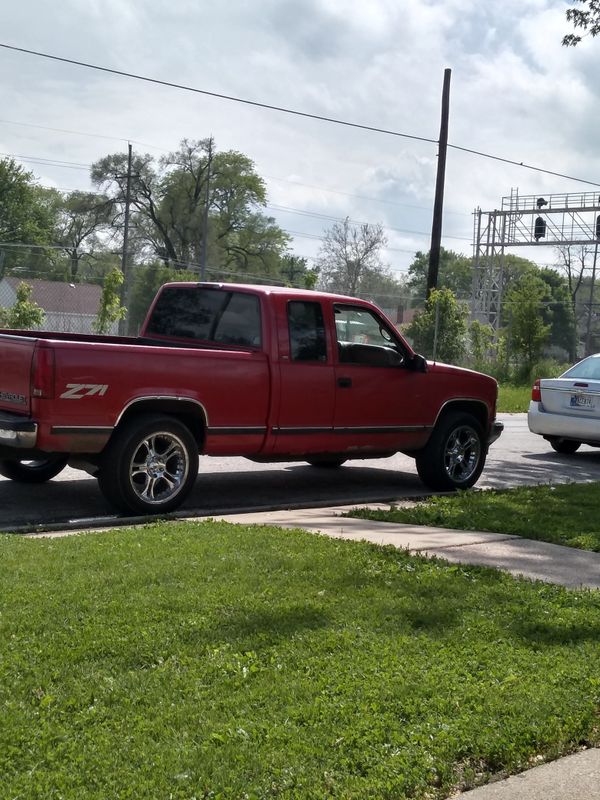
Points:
(235, 484)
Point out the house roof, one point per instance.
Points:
(58, 296)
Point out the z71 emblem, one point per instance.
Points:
(76, 391)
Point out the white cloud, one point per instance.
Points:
(515, 93)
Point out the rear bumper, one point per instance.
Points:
(495, 432)
(564, 426)
(17, 432)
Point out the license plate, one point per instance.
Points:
(581, 401)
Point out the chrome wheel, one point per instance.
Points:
(454, 456)
(462, 454)
(150, 465)
(159, 468)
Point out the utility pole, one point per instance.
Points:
(205, 217)
(588, 335)
(124, 264)
(438, 206)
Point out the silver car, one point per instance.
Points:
(566, 410)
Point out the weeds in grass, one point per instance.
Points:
(215, 661)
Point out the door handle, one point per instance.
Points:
(344, 383)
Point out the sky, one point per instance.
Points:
(515, 93)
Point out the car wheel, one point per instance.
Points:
(37, 470)
(564, 446)
(455, 454)
(150, 466)
(326, 462)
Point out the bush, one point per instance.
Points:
(545, 368)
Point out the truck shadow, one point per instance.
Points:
(234, 485)
(75, 496)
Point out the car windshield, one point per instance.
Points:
(588, 369)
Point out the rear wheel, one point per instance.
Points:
(454, 456)
(34, 471)
(150, 466)
(564, 446)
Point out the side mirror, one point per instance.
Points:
(418, 363)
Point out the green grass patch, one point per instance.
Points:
(564, 514)
(216, 661)
(513, 399)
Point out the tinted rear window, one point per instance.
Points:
(208, 315)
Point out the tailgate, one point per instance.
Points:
(571, 396)
(16, 355)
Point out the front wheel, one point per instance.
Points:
(34, 471)
(564, 446)
(454, 456)
(150, 466)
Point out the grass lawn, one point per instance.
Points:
(205, 660)
(513, 399)
(564, 514)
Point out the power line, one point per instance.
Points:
(165, 150)
(231, 98)
(284, 110)
(81, 133)
(360, 196)
(315, 214)
(51, 162)
(287, 209)
(522, 164)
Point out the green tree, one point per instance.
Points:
(526, 304)
(559, 313)
(481, 341)
(81, 219)
(168, 204)
(455, 273)
(110, 310)
(440, 330)
(25, 314)
(585, 19)
(26, 218)
(295, 272)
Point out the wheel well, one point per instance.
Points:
(476, 408)
(191, 414)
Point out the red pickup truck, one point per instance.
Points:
(269, 373)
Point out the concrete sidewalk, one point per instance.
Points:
(575, 777)
(525, 557)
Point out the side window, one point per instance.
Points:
(307, 331)
(363, 338)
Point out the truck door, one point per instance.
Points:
(307, 381)
(380, 401)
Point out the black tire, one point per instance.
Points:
(454, 456)
(564, 446)
(34, 470)
(326, 462)
(150, 465)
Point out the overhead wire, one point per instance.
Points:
(284, 110)
(218, 95)
(75, 165)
